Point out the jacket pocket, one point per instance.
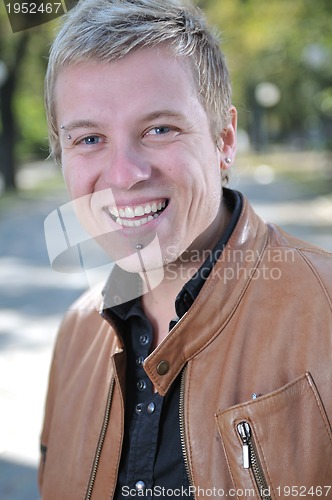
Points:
(279, 445)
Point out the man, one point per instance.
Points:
(212, 378)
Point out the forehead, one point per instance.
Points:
(143, 76)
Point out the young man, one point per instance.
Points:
(215, 378)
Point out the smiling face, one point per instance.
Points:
(137, 153)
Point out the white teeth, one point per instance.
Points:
(139, 211)
(129, 212)
(114, 211)
(124, 215)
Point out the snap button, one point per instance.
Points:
(163, 367)
(140, 486)
(141, 385)
(151, 408)
(139, 361)
(144, 339)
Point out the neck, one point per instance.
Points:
(159, 302)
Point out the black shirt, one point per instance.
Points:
(152, 463)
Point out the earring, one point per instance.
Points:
(228, 160)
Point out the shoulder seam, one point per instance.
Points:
(316, 273)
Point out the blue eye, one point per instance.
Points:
(91, 140)
(160, 130)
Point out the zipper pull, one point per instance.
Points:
(243, 429)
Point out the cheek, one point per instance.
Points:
(79, 181)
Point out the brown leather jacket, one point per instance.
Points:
(255, 350)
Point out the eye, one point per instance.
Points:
(159, 130)
(90, 140)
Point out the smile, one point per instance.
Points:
(135, 216)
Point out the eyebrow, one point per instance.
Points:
(163, 112)
(154, 115)
(79, 124)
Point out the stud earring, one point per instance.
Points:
(228, 160)
(68, 137)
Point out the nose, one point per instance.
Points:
(126, 166)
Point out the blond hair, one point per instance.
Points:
(106, 30)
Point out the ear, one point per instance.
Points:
(228, 141)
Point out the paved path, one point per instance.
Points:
(33, 299)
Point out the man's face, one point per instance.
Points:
(137, 152)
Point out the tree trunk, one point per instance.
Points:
(8, 164)
(7, 116)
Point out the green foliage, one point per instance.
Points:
(28, 107)
(286, 43)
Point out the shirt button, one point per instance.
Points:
(139, 361)
(141, 385)
(144, 339)
(151, 408)
(140, 486)
(139, 408)
(162, 367)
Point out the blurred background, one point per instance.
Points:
(280, 58)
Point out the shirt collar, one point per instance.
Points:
(191, 289)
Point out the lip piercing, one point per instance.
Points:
(228, 160)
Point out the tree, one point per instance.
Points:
(22, 121)
(285, 43)
(12, 59)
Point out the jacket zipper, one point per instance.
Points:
(182, 429)
(100, 442)
(250, 459)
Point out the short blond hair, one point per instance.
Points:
(106, 30)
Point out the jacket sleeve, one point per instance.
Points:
(53, 386)
(47, 421)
